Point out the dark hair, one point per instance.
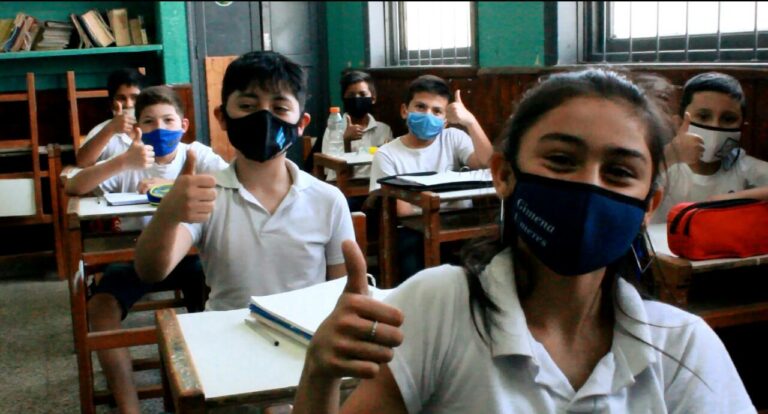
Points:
(355, 76)
(545, 97)
(712, 82)
(124, 77)
(428, 83)
(158, 95)
(271, 71)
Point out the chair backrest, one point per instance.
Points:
(359, 224)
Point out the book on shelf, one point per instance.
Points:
(13, 32)
(6, 29)
(54, 35)
(134, 27)
(85, 40)
(118, 21)
(97, 29)
(298, 313)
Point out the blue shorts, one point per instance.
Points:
(121, 281)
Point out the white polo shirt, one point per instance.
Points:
(118, 144)
(444, 367)
(448, 152)
(246, 251)
(681, 184)
(128, 181)
(375, 134)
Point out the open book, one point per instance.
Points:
(444, 181)
(125, 199)
(299, 313)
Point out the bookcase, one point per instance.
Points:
(166, 57)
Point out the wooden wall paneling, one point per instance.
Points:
(184, 90)
(215, 66)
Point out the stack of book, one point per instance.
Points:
(24, 32)
(54, 35)
(297, 314)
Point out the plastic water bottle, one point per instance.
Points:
(336, 131)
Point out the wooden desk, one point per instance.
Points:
(674, 276)
(436, 226)
(343, 165)
(212, 359)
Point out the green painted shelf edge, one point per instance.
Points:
(79, 52)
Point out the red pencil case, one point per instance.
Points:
(718, 229)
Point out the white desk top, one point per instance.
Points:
(88, 208)
(658, 236)
(231, 359)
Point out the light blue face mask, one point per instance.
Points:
(424, 126)
(163, 141)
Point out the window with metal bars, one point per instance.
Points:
(436, 33)
(675, 31)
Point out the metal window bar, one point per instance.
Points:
(405, 53)
(600, 21)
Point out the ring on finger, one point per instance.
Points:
(372, 333)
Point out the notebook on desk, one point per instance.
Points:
(300, 312)
(125, 199)
(439, 182)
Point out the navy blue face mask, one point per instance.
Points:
(573, 228)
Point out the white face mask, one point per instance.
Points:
(127, 111)
(718, 142)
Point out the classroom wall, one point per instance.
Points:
(508, 34)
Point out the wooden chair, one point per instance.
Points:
(16, 212)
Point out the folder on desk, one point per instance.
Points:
(300, 312)
(125, 199)
(439, 182)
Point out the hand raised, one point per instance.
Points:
(688, 147)
(192, 197)
(360, 332)
(139, 156)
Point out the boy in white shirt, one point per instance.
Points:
(112, 137)
(361, 129)
(262, 226)
(429, 146)
(155, 156)
(704, 158)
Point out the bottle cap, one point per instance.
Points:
(335, 109)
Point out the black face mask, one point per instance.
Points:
(358, 107)
(261, 136)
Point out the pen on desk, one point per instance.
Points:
(262, 330)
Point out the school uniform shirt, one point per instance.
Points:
(681, 184)
(118, 144)
(247, 251)
(443, 366)
(375, 134)
(448, 152)
(128, 181)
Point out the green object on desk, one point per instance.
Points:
(155, 194)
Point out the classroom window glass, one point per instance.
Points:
(430, 33)
(675, 31)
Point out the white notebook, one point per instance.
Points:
(299, 313)
(125, 199)
(449, 177)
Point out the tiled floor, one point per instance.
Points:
(37, 360)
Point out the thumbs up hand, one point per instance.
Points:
(192, 198)
(352, 132)
(139, 156)
(457, 113)
(688, 147)
(359, 334)
(122, 122)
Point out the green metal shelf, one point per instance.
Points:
(79, 52)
